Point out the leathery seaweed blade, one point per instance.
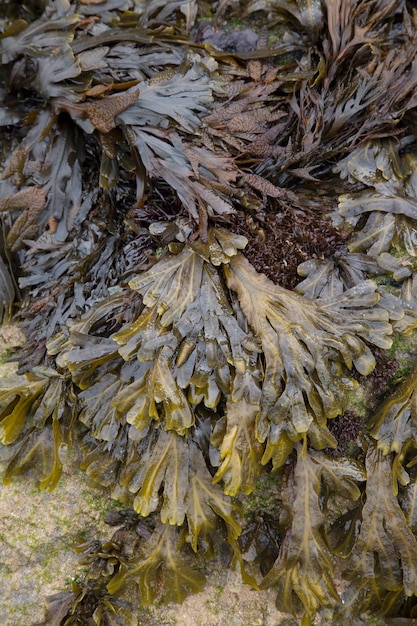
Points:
(160, 177)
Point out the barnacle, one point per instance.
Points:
(157, 194)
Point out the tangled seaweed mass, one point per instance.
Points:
(209, 240)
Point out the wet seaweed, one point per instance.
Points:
(208, 238)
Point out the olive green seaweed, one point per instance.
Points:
(161, 175)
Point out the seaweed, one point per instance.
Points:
(210, 250)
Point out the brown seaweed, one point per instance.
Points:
(215, 248)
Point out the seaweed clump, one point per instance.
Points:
(160, 199)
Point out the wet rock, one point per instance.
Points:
(229, 40)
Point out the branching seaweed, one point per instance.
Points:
(157, 193)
